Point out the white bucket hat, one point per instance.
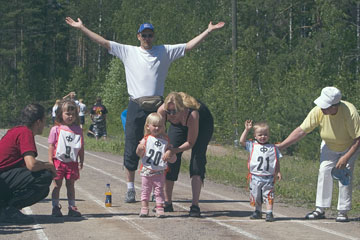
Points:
(329, 96)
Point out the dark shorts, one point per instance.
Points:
(82, 119)
(178, 135)
(134, 132)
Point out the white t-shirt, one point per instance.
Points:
(82, 109)
(146, 70)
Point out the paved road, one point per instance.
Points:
(225, 212)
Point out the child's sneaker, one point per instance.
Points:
(144, 212)
(269, 217)
(194, 211)
(160, 212)
(256, 215)
(56, 211)
(74, 212)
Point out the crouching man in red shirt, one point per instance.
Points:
(24, 180)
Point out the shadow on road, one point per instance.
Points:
(213, 201)
(8, 229)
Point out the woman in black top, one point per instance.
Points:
(191, 127)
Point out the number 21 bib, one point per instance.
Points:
(262, 160)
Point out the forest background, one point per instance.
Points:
(283, 54)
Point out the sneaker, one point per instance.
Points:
(315, 215)
(13, 215)
(144, 212)
(256, 215)
(160, 212)
(194, 211)
(269, 217)
(342, 217)
(74, 212)
(130, 196)
(168, 207)
(56, 211)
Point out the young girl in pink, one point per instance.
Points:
(66, 148)
(151, 149)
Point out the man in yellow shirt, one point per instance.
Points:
(339, 125)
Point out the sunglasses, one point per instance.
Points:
(171, 112)
(147, 35)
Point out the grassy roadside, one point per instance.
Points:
(297, 188)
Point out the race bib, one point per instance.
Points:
(263, 159)
(68, 146)
(155, 149)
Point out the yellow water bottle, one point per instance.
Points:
(108, 200)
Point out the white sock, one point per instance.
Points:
(130, 185)
(319, 209)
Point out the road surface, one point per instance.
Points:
(225, 212)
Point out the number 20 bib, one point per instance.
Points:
(262, 160)
(155, 149)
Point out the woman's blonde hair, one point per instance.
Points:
(155, 119)
(181, 101)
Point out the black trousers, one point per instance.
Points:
(20, 187)
(134, 132)
(178, 135)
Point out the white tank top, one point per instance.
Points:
(68, 146)
(154, 151)
(263, 159)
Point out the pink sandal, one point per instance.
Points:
(144, 212)
(160, 212)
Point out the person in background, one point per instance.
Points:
(339, 126)
(53, 111)
(24, 180)
(264, 166)
(146, 68)
(82, 111)
(98, 116)
(66, 152)
(191, 127)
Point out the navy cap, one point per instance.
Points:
(145, 26)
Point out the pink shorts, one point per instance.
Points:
(69, 170)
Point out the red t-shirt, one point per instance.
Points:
(13, 145)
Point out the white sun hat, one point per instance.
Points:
(329, 96)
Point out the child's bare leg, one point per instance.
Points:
(55, 195)
(70, 187)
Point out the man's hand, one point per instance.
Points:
(212, 27)
(72, 23)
